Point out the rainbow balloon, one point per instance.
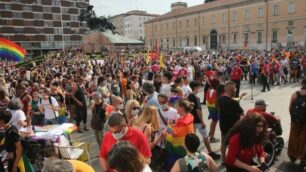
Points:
(11, 51)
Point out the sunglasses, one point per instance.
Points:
(135, 108)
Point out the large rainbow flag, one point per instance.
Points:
(11, 51)
(175, 139)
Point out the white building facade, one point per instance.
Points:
(131, 24)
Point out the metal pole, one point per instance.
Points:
(267, 22)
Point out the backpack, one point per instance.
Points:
(187, 162)
(298, 109)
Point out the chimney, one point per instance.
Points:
(178, 5)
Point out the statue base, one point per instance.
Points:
(95, 41)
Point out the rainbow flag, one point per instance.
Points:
(211, 98)
(176, 137)
(11, 51)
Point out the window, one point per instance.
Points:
(56, 17)
(28, 23)
(161, 27)
(38, 2)
(224, 38)
(173, 25)
(187, 22)
(17, 15)
(180, 24)
(75, 18)
(195, 24)
(224, 18)
(290, 23)
(47, 9)
(56, 3)
(7, 7)
(274, 36)
(49, 38)
(213, 19)
(180, 41)
(66, 38)
(65, 10)
(173, 42)
(58, 31)
(246, 38)
(37, 15)
(155, 28)
(204, 20)
(66, 24)
(48, 24)
(235, 38)
(260, 12)
(19, 30)
(259, 37)
(204, 39)
(27, 8)
(140, 25)
(247, 14)
(276, 10)
(195, 40)
(291, 7)
(187, 41)
(167, 26)
(234, 16)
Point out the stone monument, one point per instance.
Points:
(102, 33)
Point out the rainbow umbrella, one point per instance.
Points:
(11, 51)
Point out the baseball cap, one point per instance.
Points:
(260, 102)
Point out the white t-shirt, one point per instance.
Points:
(186, 90)
(147, 169)
(171, 114)
(49, 113)
(17, 115)
(165, 89)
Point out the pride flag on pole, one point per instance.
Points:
(161, 60)
(148, 56)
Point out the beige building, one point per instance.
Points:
(233, 24)
(131, 24)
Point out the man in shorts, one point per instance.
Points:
(198, 119)
(229, 113)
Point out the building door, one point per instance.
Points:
(213, 39)
(290, 39)
(246, 40)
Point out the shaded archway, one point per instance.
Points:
(213, 39)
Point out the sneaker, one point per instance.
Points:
(214, 156)
(214, 140)
(79, 131)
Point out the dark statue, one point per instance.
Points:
(206, 1)
(95, 23)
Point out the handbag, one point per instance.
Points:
(159, 154)
(158, 158)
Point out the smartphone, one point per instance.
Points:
(263, 167)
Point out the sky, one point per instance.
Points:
(114, 7)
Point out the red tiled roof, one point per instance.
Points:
(197, 8)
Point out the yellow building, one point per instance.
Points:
(230, 24)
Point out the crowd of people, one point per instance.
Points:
(145, 113)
